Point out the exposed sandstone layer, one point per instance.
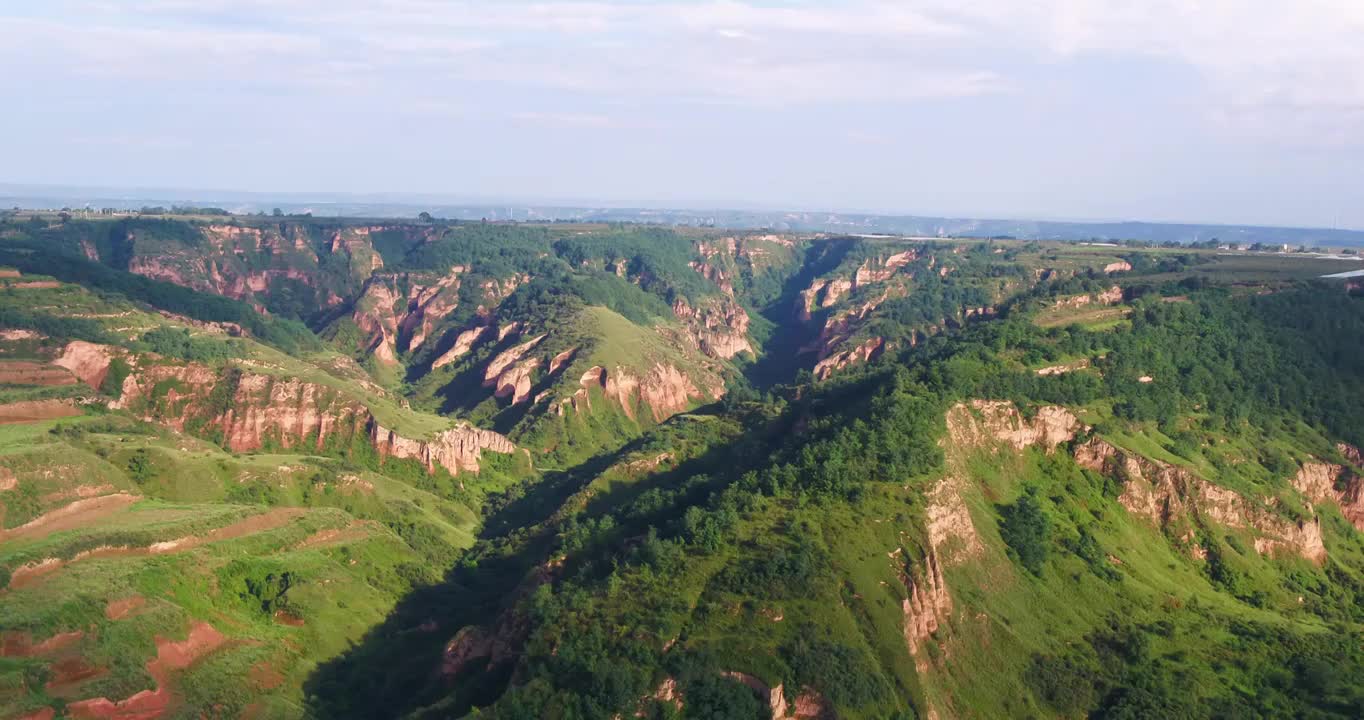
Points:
(663, 391)
(242, 262)
(399, 311)
(869, 350)
(927, 606)
(1327, 482)
(1169, 496)
(87, 361)
(718, 327)
(808, 704)
(249, 411)
(464, 342)
(978, 424)
(1111, 296)
(982, 421)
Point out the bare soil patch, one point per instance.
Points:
(27, 411)
(171, 655)
(78, 514)
(122, 608)
(26, 372)
(20, 644)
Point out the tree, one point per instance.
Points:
(277, 213)
(425, 217)
(1025, 529)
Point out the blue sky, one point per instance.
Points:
(1201, 110)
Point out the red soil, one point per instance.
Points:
(23, 372)
(265, 676)
(20, 644)
(149, 704)
(68, 674)
(119, 609)
(78, 514)
(28, 411)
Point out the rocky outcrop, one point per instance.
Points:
(515, 381)
(928, 603)
(1323, 482)
(869, 350)
(839, 327)
(248, 410)
(243, 261)
(557, 362)
(376, 316)
(807, 706)
(87, 361)
(718, 327)
(835, 289)
(1171, 497)
(663, 391)
(400, 311)
(1117, 267)
(875, 272)
(457, 449)
(510, 372)
(464, 343)
(270, 409)
(809, 297)
(1064, 368)
(983, 421)
(716, 275)
(979, 424)
(1111, 296)
(427, 305)
(1351, 453)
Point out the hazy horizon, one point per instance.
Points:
(1067, 110)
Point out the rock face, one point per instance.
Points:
(464, 342)
(1170, 497)
(1117, 267)
(248, 410)
(1326, 482)
(663, 391)
(981, 421)
(718, 327)
(243, 261)
(399, 311)
(1111, 296)
(87, 361)
(952, 535)
(510, 372)
(456, 449)
(869, 350)
(809, 704)
(928, 604)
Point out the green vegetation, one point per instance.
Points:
(868, 544)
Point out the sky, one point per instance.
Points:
(1244, 111)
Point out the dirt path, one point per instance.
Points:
(78, 514)
(28, 575)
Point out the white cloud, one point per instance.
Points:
(1255, 57)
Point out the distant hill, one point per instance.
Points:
(400, 206)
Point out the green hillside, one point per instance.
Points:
(306, 468)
